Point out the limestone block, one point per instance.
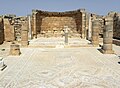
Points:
(14, 50)
(108, 36)
(8, 30)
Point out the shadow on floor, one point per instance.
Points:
(100, 50)
(4, 66)
(118, 62)
(119, 57)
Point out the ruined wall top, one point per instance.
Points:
(0, 19)
(66, 13)
(9, 16)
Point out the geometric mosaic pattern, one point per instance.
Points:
(61, 68)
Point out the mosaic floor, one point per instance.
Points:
(61, 68)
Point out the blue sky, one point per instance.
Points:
(24, 7)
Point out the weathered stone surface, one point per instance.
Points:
(56, 24)
(8, 30)
(116, 26)
(14, 49)
(108, 36)
(1, 31)
(50, 24)
(95, 32)
(24, 34)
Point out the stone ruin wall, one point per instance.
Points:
(1, 30)
(116, 24)
(52, 24)
(18, 22)
(55, 25)
(9, 30)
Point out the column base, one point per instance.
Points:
(107, 51)
(14, 50)
(24, 43)
(96, 45)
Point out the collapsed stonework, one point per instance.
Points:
(81, 23)
(9, 29)
(52, 23)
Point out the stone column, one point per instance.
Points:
(89, 28)
(34, 18)
(95, 32)
(108, 36)
(83, 23)
(24, 34)
(66, 37)
(29, 27)
(66, 29)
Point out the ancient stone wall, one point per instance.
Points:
(9, 29)
(51, 24)
(24, 33)
(56, 24)
(1, 31)
(116, 26)
(18, 22)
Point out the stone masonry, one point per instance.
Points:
(116, 26)
(108, 36)
(9, 29)
(14, 50)
(1, 31)
(49, 24)
(95, 32)
(24, 34)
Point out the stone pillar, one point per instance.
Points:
(66, 29)
(14, 49)
(95, 32)
(29, 27)
(87, 26)
(89, 29)
(34, 18)
(83, 23)
(24, 34)
(66, 37)
(108, 36)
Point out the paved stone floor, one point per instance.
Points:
(57, 41)
(81, 67)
